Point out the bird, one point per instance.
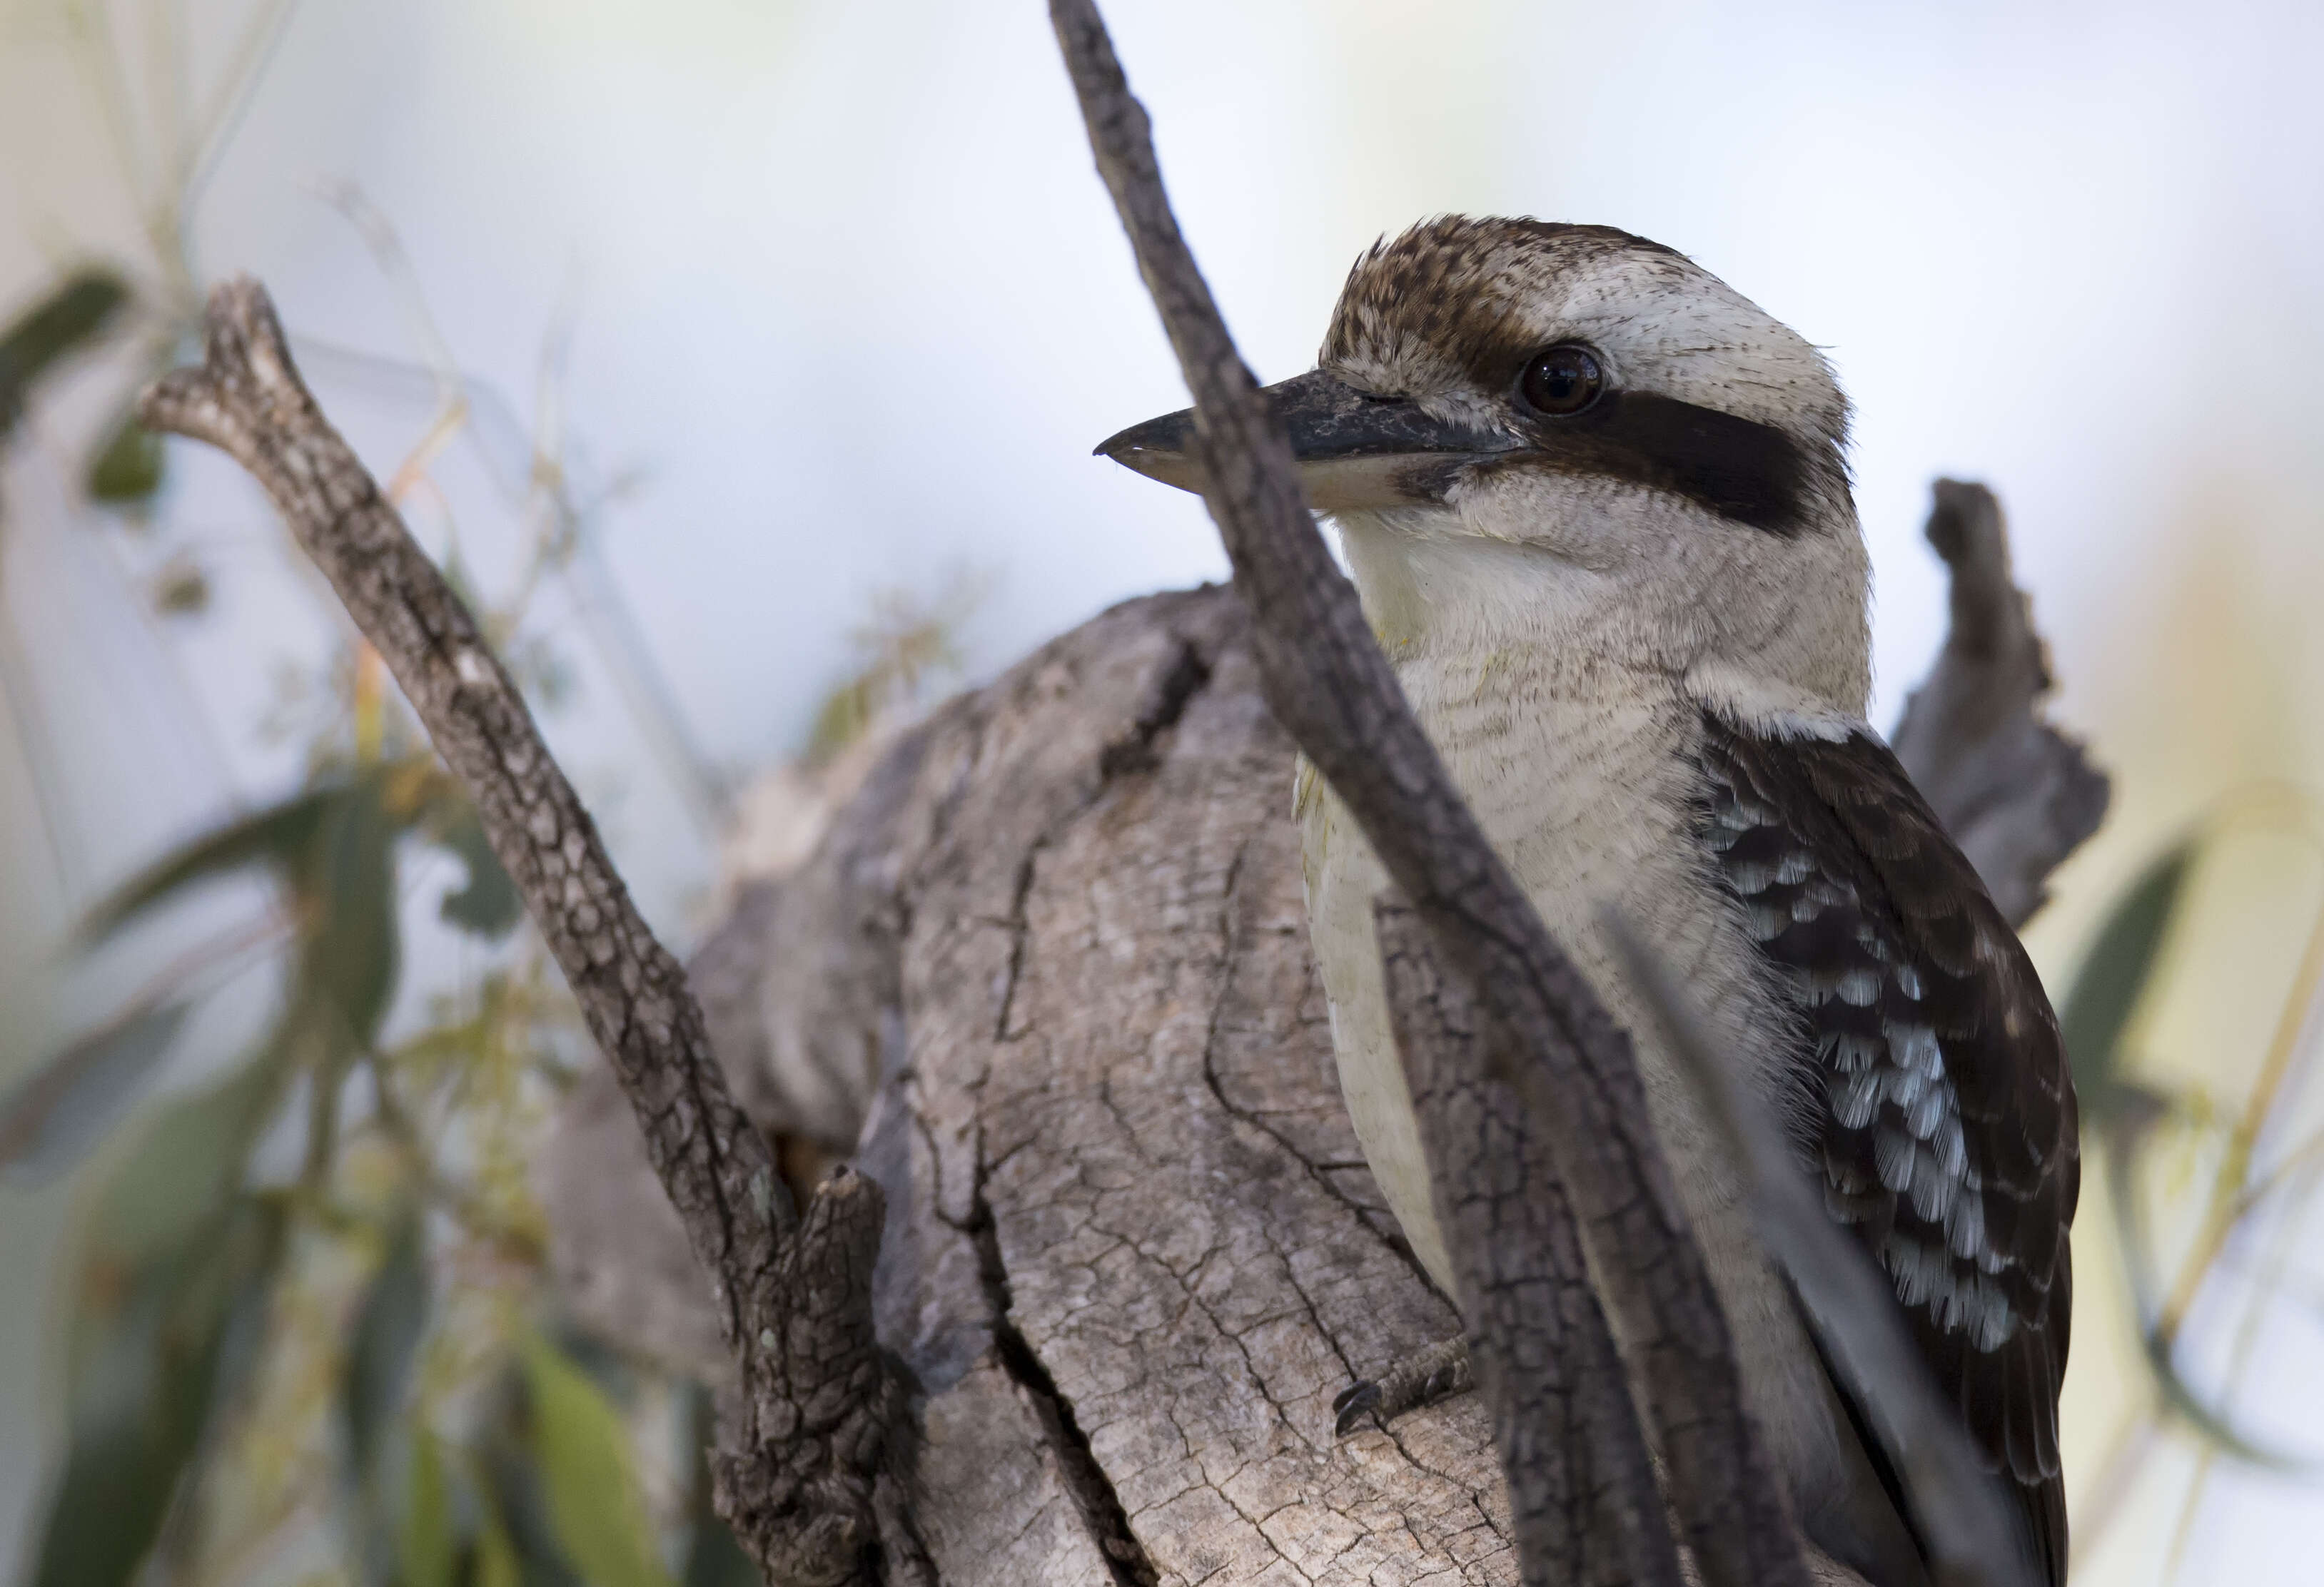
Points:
(1598, 509)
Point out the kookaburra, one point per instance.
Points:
(1597, 506)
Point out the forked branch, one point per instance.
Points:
(793, 1294)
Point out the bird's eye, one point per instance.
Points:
(1562, 379)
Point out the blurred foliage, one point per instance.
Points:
(193, 1232)
(312, 1335)
(904, 646)
(582, 1449)
(126, 468)
(66, 319)
(2131, 1111)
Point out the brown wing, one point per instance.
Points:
(1933, 1072)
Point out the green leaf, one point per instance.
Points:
(173, 1353)
(334, 848)
(496, 1560)
(517, 1504)
(2114, 973)
(390, 1322)
(346, 883)
(489, 905)
(280, 835)
(425, 1547)
(72, 315)
(183, 1171)
(56, 1113)
(126, 469)
(713, 1557)
(176, 1264)
(582, 1449)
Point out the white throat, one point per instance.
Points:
(1441, 595)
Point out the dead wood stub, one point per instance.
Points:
(1126, 1193)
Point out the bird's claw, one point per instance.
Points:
(1422, 1378)
(1352, 1404)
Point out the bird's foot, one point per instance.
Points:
(1438, 1371)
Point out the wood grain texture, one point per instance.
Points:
(1122, 1096)
(1133, 1249)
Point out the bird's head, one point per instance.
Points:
(1571, 435)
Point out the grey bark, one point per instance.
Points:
(2016, 794)
(1132, 1250)
(791, 1292)
(1131, 1243)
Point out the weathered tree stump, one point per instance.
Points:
(1052, 962)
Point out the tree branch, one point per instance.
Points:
(793, 1294)
(2015, 793)
(1583, 1493)
(1327, 681)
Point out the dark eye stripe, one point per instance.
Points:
(1738, 468)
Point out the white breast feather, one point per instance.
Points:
(1584, 783)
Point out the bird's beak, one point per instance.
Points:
(1355, 450)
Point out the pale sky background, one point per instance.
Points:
(844, 291)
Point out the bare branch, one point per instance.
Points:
(1581, 1482)
(1973, 1539)
(1326, 680)
(793, 1294)
(2015, 793)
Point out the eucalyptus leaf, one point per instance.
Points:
(180, 1174)
(2114, 973)
(126, 469)
(713, 1559)
(71, 317)
(56, 1113)
(496, 1564)
(581, 1450)
(351, 949)
(280, 836)
(172, 1354)
(390, 1322)
(520, 1511)
(426, 1549)
(712, 1556)
(490, 905)
(334, 846)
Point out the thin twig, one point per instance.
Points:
(794, 1293)
(2223, 1211)
(230, 98)
(1323, 676)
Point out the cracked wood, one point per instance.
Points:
(1140, 1201)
